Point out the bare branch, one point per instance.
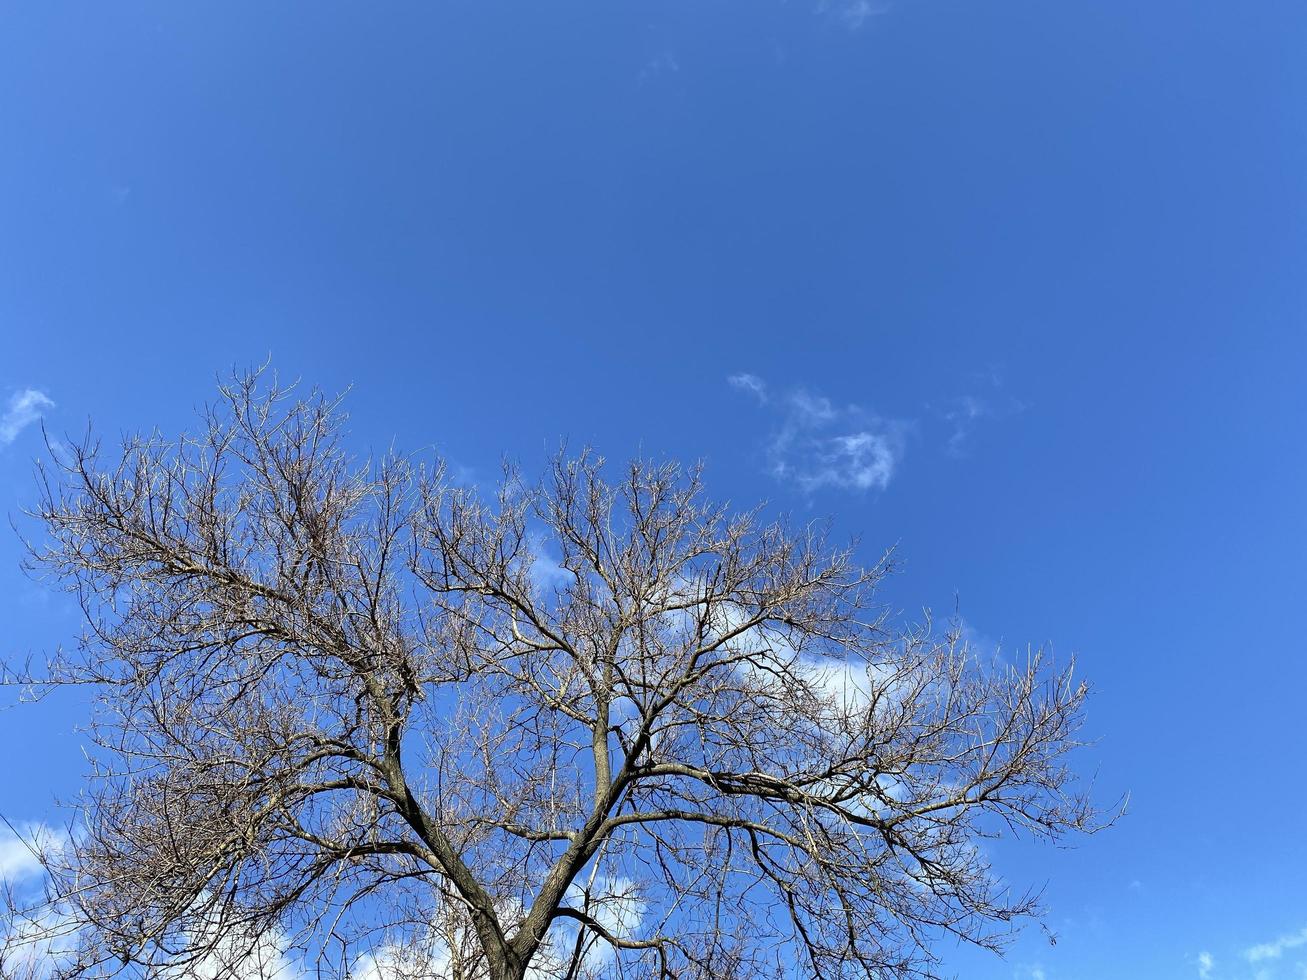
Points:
(345, 705)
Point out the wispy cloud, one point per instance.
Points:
(750, 383)
(241, 956)
(852, 14)
(546, 574)
(462, 475)
(1276, 948)
(1205, 965)
(34, 934)
(38, 938)
(964, 414)
(819, 445)
(615, 901)
(663, 63)
(25, 407)
(20, 850)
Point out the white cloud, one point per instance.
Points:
(750, 383)
(664, 63)
(17, 862)
(1275, 949)
(393, 961)
(852, 14)
(41, 940)
(986, 402)
(838, 681)
(615, 903)
(811, 409)
(461, 475)
(820, 445)
(25, 407)
(34, 936)
(963, 414)
(843, 685)
(864, 459)
(429, 952)
(861, 460)
(850, 686)
(855, 14)
(1205, 965)
(239, 958)
(545, 572)
(612, 900)
(20, 849)
(36, 942)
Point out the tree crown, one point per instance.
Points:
(591, 725)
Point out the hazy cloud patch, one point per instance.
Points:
(987, 401)
(851, 14)
(1276, 948)
(20, 850)
(663, 63)
(750, 383)
(24, 408)
(819, 445)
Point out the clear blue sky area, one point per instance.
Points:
(1042, 261)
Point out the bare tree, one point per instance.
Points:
(354, 716)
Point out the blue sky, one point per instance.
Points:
(1034, 269)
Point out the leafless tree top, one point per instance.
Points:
(353, 716)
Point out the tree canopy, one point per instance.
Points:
(357, 719)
